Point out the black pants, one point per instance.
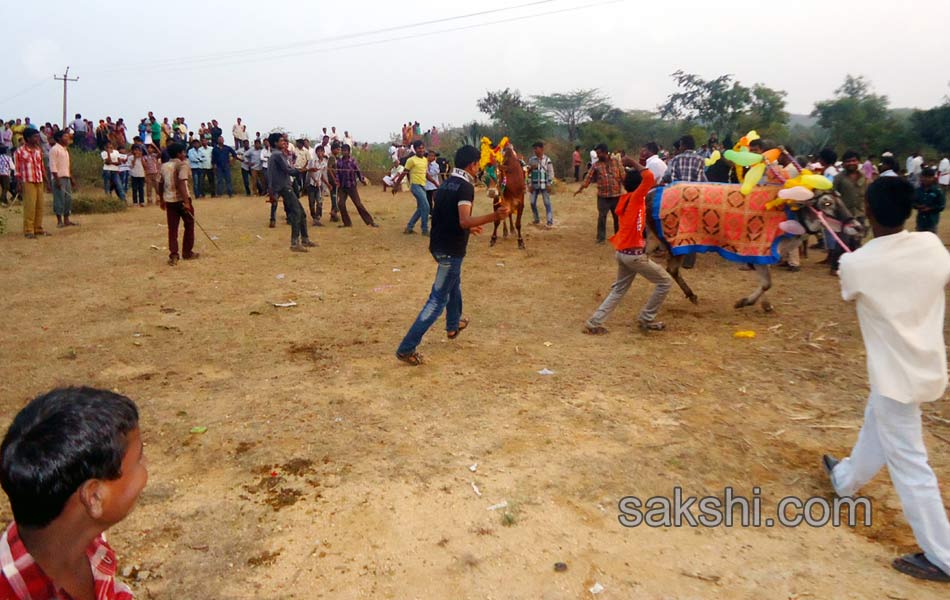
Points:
(354, 194)
(246, 177)
(209, 173)
(138, 190)
(603, 206)
(316, 202)
(577, 172)
(431, 195)
(295, 215)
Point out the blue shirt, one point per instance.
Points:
(196, 158)
(220, 155)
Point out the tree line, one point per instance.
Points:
(854, 118)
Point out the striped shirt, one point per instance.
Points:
(609, 176)
(29, 164)
(687, 166)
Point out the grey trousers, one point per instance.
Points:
(628, 267)
(63, 197)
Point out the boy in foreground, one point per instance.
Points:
(631, 256)
(452, 222)
(898, 280)
(176, 200)
(72, 466)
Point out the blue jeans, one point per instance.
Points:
(196, 175)
(546, 195)
(422, 208)
(222, 178)
(112, 181)
(446, 295)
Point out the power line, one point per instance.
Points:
(24, 90)
(265, 49)
(387, 40)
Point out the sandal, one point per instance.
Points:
(413, 358)
(917, 565)
(463, 323)
(595, 329)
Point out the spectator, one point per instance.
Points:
(221, 157)
(62, 179)
(576, 163)
(30, 169)
(608, 175)
(929, 201)
(110, 171)
(650, 158)
(279, 176)
(176, 201)
(541, 177)
(239, 131)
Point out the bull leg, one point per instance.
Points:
(765, 283)
(494, 235)
(673, 265)
(518, 225)
(505, 226)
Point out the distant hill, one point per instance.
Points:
(803, 120)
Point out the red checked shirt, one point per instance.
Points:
(609, 176)
(23, 579)
(29, 164)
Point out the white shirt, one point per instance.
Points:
(265, 156)
(114, 157)
(943, 171)
(239, 132)
(831, 172)
(914, 165)
(889, 173)
(593, 157)
(656, 166)
(899, 281)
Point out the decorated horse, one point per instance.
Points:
(506, 185)
(753, 228)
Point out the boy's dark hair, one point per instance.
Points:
(537, 145)
(416, 144)
(175, 148)
(601, 148)
(889, 163)
(345, 147)
(890, 200)
(465, 156)
(632, 180)
(273, 138)
(652, 147)
(58, 135)
(29, 132)
(849, 154)
(828, 156)
(335, 145)
(577, 147)
(688, 142)
(59, 441)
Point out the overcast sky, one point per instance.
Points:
(303, 65)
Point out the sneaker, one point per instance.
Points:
(308, 244)
(651, 325)
(298, 248)
(829, 462)
(192, 256)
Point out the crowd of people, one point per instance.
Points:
(898, 281)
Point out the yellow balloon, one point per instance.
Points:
(816, 182)
(752, 178)
(772, 155)
(713, 158)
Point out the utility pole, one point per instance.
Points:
(65, 79)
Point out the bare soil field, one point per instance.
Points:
(330, 470)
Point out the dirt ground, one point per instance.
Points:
(330, 470)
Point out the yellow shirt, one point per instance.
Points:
(417, 168)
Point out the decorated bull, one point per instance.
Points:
(752, 228)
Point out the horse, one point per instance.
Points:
(827, 203)
(512, 182)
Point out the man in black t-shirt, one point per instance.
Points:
(452, 222)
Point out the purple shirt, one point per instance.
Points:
(348, 172)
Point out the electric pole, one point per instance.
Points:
(65, 79)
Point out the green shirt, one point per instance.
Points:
(852, 192)
(931, 198)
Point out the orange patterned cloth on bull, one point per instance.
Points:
(717, 217)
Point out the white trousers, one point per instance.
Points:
(892, 435)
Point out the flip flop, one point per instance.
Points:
(413, 358)
(917, 565)
(463, 323)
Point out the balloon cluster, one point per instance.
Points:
(742, 158)
(492, 155)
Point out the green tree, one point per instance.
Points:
(765, 113)
(716, 104)
(515, 116)
(933, 126)
(857, 118)
(571, 109)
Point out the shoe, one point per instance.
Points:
(828, 463)
(917, 565)
(59, 226)
(601, 242)
(408, 231)
(793, 268)
(317, 224)
(334, 218)
(308, 244)
(193, 256)
(651, 325)
(425, 234)
(374, 224)
(535, 222)
(172, 261)
(298, 248)
(273, 224)
(29, 236)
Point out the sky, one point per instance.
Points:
(368, 66)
